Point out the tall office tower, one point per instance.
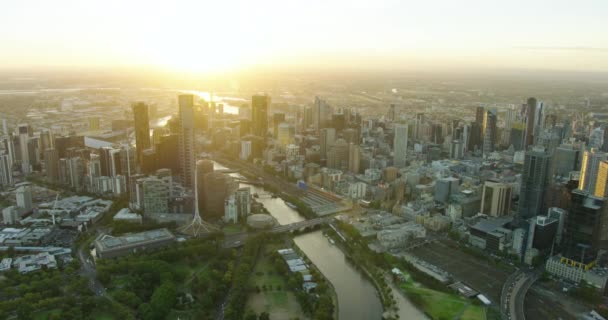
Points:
(475, 140)
(24, 198)
(51, 164)
(126, 157)
(566, 160)
(216, 191)
(534, 181)
(337, 156)
(259, 115)
(456, 149)
(589, 169)
(466, 136)
(516, 136)
(203, 167)
(400, 145)
(321, 114)
(601, 184)
(24, 136)
(46, 140)
(307, 120)
(33, 149)
(559, 215)
(75, 173)
(243, 201)
(9, 146)
(186, 139)
(530, 114)
(354, 158)
(479, 116)
(496, 199)
(586, 226)
(167, 149)
(489, 131)
(277, 119)
(6, 170)
(94, 167)
(142, 129)
(110, 161)
(327, 137)
(285, 134)
(391, 113)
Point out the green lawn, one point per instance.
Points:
(233, 228)
(280, 304)
(474, 313)
(440, 305)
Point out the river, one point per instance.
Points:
(357, 297)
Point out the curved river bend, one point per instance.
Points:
(357, 297)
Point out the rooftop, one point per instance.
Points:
(110, 243)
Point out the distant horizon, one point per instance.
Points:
(235, 35)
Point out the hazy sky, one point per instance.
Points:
(226, 34)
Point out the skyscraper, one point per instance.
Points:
(24, 135)
(321, 114)
(589, 169)
(259, 114)
(479, 115)
(142, 129)
(400, 145)
(186, 139)
(530, 114)
(489, 131)
(601, 185)
(327, 137)
(203, 167)
(51, 164)
(534, 182)
(6, 170)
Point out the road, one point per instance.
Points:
(514, 293)
(238, 239)
(87, 269)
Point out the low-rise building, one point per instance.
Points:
(111, 247)
(574, 271)
(125, 215)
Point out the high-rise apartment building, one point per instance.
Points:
(259, 114)
(186, 139)
(24, 136)
(400, 145)
(142, 129)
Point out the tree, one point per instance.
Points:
(251, 316)
(264, 316)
